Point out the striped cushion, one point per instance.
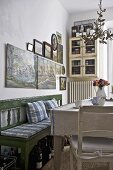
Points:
(27, 130)
(50, 104)
(36, 112)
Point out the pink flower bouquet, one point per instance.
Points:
(100, 83)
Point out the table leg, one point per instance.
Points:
(58, 147)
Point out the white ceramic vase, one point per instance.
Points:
(101, 93)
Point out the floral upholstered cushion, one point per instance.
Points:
(36, 112)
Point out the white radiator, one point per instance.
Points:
(79, 90)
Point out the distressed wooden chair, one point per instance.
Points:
(94, 142)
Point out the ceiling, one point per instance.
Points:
(76, 6)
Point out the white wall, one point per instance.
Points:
(22, 21)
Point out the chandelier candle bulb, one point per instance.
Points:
(77, 34)
(91, 32)
(84, 33)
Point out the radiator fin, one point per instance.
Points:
(79, 90)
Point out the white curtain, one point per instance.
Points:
(110, 65)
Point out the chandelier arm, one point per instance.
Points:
(100, 7)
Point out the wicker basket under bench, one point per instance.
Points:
(13, 114)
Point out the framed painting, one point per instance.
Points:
(54, 55)
(60, 53)
(63, 70)
(47, 50)
(20, 68)
(30, 47)
(59, 37)
(54, 42)
(38, 47)
(58, 69)
(46, 74)
(62, 83)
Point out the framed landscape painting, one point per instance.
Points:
(20, 68)
(46, 76)
(60, 54)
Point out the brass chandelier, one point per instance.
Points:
(98, 31)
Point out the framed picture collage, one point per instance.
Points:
(30, 69)
(52, 51)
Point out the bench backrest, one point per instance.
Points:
(13, 111)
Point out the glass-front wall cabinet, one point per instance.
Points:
(82, 57)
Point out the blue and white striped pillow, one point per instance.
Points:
(36, 112)
(50, 104)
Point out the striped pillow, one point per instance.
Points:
(36, 112)
(50, 104)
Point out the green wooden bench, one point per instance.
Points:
(11, 107)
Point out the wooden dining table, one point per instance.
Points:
(65, 123)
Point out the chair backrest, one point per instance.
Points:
(96, 121)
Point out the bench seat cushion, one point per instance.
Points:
(27, 130)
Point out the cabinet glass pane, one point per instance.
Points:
(76, 62)
(90, 49)
(75, 43)
(90, 70)
(76, 50)
(90, 62)
(90, 42)
(76, 70)
(75, 46)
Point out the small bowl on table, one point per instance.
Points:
(78, 103)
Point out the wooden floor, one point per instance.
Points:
(65, 163)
